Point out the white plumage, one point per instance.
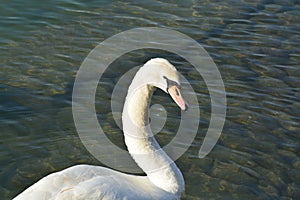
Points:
(163, 181)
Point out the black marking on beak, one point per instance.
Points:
(171, 83)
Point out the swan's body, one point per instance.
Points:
(163, 181)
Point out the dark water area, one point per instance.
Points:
(255, 45)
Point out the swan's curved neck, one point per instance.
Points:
(141, 144)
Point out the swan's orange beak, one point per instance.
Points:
(174, 91)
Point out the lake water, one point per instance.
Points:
(254, 43)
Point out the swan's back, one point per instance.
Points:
(93, 182)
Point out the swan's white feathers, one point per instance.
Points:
(164, 180)
(154, 72)
(82, 182)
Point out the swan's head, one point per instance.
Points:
(162, 74)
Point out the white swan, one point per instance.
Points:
(163, 181)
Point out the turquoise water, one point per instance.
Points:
(255, 44)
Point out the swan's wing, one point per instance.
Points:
(101, 187)
(72, 183)
(90, 182)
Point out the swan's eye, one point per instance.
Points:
(171, 83)
(177, 93)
